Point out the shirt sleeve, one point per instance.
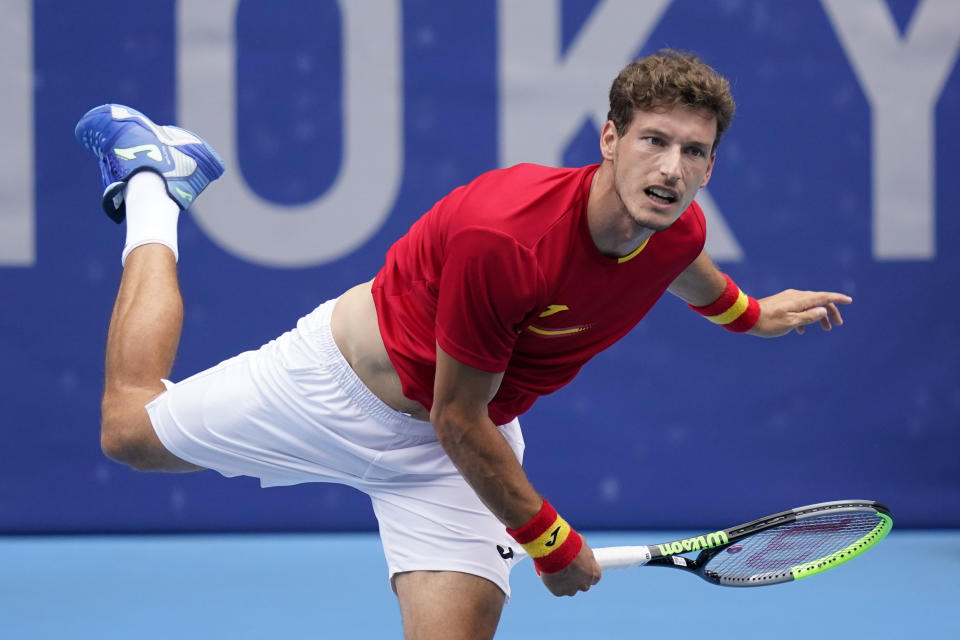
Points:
(487, 287)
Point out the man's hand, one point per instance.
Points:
(579, 575)
(794, 310)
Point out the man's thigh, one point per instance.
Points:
(229, 420)
(447, 605)
(290, 412)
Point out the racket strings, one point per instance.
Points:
(772, 554)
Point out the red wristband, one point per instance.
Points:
(549, 540)
(733, 310)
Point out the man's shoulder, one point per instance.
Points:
(527, 186)
(523, 201)
(694, 219)
(532, 174)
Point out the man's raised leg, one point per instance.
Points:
(141, 345)
(143, 337)
(150, 173)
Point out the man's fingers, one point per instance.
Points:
(821, 307)
(809, 299)
(794, 310)
(817, 314)
(834, 314)
(828, 317)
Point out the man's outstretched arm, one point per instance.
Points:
(486, 461)
(702, 284)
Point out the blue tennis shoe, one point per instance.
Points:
(126, 141)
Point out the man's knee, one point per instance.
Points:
(121, 446)
(127, 436)
(124, 442)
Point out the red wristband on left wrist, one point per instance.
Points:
(733, 310)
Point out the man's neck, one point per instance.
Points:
(612, 230)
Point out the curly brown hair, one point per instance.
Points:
(665, 79)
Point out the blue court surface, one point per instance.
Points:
(335, 586)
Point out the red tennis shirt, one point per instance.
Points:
(503, 274)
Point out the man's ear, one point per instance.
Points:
(608, 140)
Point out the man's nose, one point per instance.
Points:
(670, 164)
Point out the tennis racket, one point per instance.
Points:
(785, 546)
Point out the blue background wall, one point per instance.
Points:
(679, 425)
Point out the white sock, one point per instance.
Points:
(151, 214)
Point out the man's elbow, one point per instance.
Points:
(452, 423)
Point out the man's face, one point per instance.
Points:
(661, 162)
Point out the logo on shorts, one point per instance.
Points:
(505, 553)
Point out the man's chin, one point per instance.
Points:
(655, 220)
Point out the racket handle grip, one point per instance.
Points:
(621, 557)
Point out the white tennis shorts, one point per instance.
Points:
(294, 411)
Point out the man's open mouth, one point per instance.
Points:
(661, 195)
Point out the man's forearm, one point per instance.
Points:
(489, 466)
(699, 284)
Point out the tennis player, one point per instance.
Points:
(408, 387)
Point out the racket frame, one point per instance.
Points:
(669, 554)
